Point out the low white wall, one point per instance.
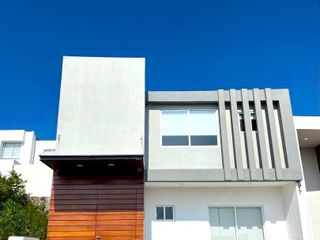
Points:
(192, 214)
(22, 238)
(7, 165)
(38, 177)
(291, 206)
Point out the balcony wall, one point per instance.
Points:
(268, 153)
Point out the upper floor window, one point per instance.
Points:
(11, 150)
(189, 127)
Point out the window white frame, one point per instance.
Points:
(164, 213)
(235, 214)
(3, 147)
(188, 109)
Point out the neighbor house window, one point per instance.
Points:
(236, 223)
(189, 127)
(164, 213)
(11, 150)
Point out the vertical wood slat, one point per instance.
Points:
(236, 134)
(224, 136)
(273, 134)
(261, 135)
(248, 134)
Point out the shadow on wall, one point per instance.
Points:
(310, 169)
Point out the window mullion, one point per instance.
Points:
(164, 213)
(236, 222)
(11, 151)
(189, 137)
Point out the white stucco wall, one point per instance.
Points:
(293, 214)
(192, 215)
(101, 109)
(38, 179)
(37, 175)
(179, 157)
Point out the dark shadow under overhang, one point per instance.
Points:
(94, 164)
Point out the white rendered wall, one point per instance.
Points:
(293, 215)
(192, 213)
(38, 179)
(38, 175)
(179, 157)
(312, 184)
(102, 106)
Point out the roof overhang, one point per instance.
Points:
(308, 130)
(96, 164)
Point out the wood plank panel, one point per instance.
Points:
(71, 228)
(82, 208)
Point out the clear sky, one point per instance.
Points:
(189, 45)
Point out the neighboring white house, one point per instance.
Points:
(19, 150)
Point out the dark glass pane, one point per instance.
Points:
(242, 127)
(203, 140)
(169, 213)
(254, 124)
(160, 213)
(175, 141)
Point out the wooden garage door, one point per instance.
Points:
(89, 208)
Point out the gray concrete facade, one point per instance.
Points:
(268, 153)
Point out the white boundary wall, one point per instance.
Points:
(22, 238)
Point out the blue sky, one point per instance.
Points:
(189, 45)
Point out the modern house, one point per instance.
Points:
(205, 165)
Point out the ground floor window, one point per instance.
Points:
(236, 223)
(164, 213)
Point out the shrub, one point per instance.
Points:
(19, 215)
